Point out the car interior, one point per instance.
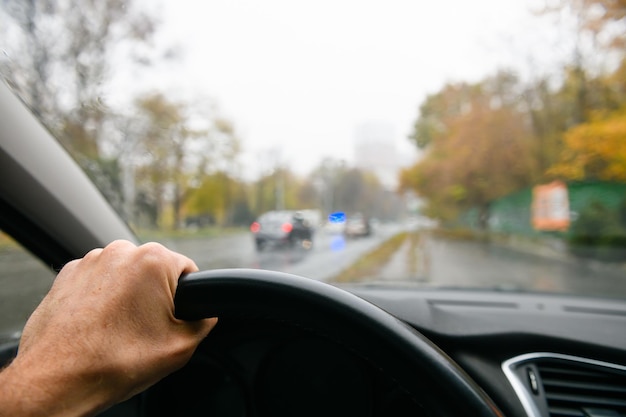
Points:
(287, 345)
(398, 208)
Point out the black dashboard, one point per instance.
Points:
(482, 331)
(510, 344)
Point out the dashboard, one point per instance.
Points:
(533, 354)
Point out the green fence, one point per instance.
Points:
(512, 214)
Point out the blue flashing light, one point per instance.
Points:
(337, 217)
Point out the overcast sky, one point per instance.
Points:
(302, 76)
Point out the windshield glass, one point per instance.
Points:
(449, 144)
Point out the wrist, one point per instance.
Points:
(34, 389)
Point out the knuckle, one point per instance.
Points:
(154, 255)
(117, 250)
(92, 254)
(120, 245)
(70, 266)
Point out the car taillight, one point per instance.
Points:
(255, 227)
(287, 227)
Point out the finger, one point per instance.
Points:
(184, 266)
(171, 263)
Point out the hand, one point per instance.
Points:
(105, 331)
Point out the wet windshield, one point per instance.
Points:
(442, 144)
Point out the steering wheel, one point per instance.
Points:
(423, 371)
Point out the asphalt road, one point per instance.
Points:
(445, 263)
(329, 255)
(440, 263)
(25, 280)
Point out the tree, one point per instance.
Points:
(340, 187)
(358, 191)
(277, 190)
(595, 150)
(480, 151)
(211, 199)
(59, 62)
(180, 149)
(437, 110)
(325, 178)
(598, 17)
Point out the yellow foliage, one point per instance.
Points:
(595, 150)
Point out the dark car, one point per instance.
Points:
(282, 228)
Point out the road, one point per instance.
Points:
(439, 263)
(330, 254)
(445, 263)
(24, 280)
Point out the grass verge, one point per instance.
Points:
(370, 264)
(413, 255)
(461, 234)
(6, 242)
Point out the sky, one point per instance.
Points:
(298, 78)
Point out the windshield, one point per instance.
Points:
(453, 144)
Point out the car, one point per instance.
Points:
(469, 303)
(357, 226)
(282, 228)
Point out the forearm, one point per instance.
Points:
(105, 331)
(36, 389)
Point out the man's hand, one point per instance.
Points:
(105, 331)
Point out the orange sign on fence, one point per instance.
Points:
(550, 207)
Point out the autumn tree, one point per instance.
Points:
(596, 17)
(219, 199)
(216, 165)
(278, 189)
(325, 179)
(595, 150)
(478, 149)
(599, 41)
(341, 187)
(358, 191)
(593, 145)
(59, 61)
(183, 149)
(552, 110)
(438, 110)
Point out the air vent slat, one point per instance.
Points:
(571, 386)
(565, 412)
(558, 385)
(586, 400)
(572, 372)
(583, 386)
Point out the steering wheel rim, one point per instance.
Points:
(420, 367)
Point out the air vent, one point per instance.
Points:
(578, 389)
(554, 385)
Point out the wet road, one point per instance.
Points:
(24, 280)
(437, 263)
(330, 254)
(449, 263)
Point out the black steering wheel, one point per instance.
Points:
(424, 372)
